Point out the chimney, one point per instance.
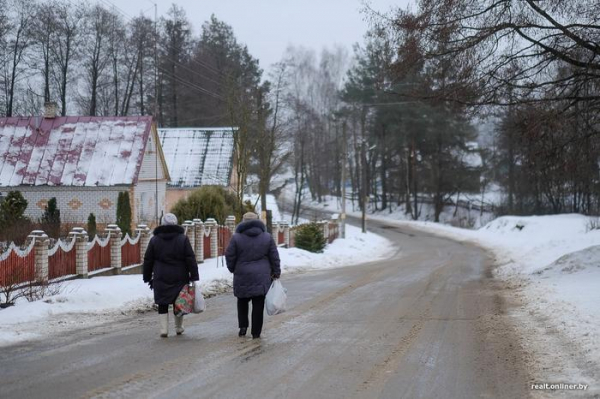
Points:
(50, 110)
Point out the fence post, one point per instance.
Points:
(190, 232)
(292, 237)
(325, 225)
(336, 226)
(286, 233)
(214, 231)
(115, 235)
(40, 247)
(275, 233)
(80, 236)
(144, 232)
(199, 247)
(230, 223)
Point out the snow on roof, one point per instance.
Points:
(72, 150)
(198, 156)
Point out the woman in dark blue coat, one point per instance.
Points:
(253, 259)
(169, 264)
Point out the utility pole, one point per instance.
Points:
(364, 195)
(344, 159)
(363, 151)
(155, 113)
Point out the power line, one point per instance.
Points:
(201, 63)
(186, 83)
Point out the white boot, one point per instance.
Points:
(164, 325)
(179, 325)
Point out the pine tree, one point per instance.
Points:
(12, 208)
(91, 226)
(310, 237)
(124, 213)
(51, 218)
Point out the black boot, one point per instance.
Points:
(242, 332)
(255, 336)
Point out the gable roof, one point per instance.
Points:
(72, 150)
(198, 156)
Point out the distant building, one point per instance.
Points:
(84, 162)
(197, 157)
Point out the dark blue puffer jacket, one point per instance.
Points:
(252, 257)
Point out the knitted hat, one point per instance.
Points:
(169, 219)
(249, 216)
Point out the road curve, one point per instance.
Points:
(427, 323)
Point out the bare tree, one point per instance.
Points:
(65, 46)
(142, 40)
(95, 54)
(44, 32)
(270, 154)
(20, 38)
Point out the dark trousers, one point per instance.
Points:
(258, 306)
(163, 309)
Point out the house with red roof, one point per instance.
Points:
(84, 161)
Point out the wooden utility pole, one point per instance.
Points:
(344, 159)
(363, 150)
(364, 195)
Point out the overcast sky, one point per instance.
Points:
(269, 26)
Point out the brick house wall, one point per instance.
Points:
(75, 204)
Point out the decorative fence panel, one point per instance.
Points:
(130, 251)
(17, 266)
(98, 253)
(206, 239)
(224, 238)
(62, 260)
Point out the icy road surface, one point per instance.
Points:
(428, 323)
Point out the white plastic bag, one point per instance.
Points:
(199, 302)
(276, 298)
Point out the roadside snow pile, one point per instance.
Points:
(84, 303)
(350, 251)
(72, 308)
(536, 241)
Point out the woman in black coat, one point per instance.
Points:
(169, 264)
(253, 259)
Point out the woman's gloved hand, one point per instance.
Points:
(150, 284)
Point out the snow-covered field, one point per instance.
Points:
(461, 217)
(552, 266)
(97, 300)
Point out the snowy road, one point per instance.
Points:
(428, 323)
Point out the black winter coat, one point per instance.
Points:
(252, 257)
(170, 263)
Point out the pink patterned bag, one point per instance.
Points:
(184, 304)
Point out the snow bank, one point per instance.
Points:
(84, 303)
